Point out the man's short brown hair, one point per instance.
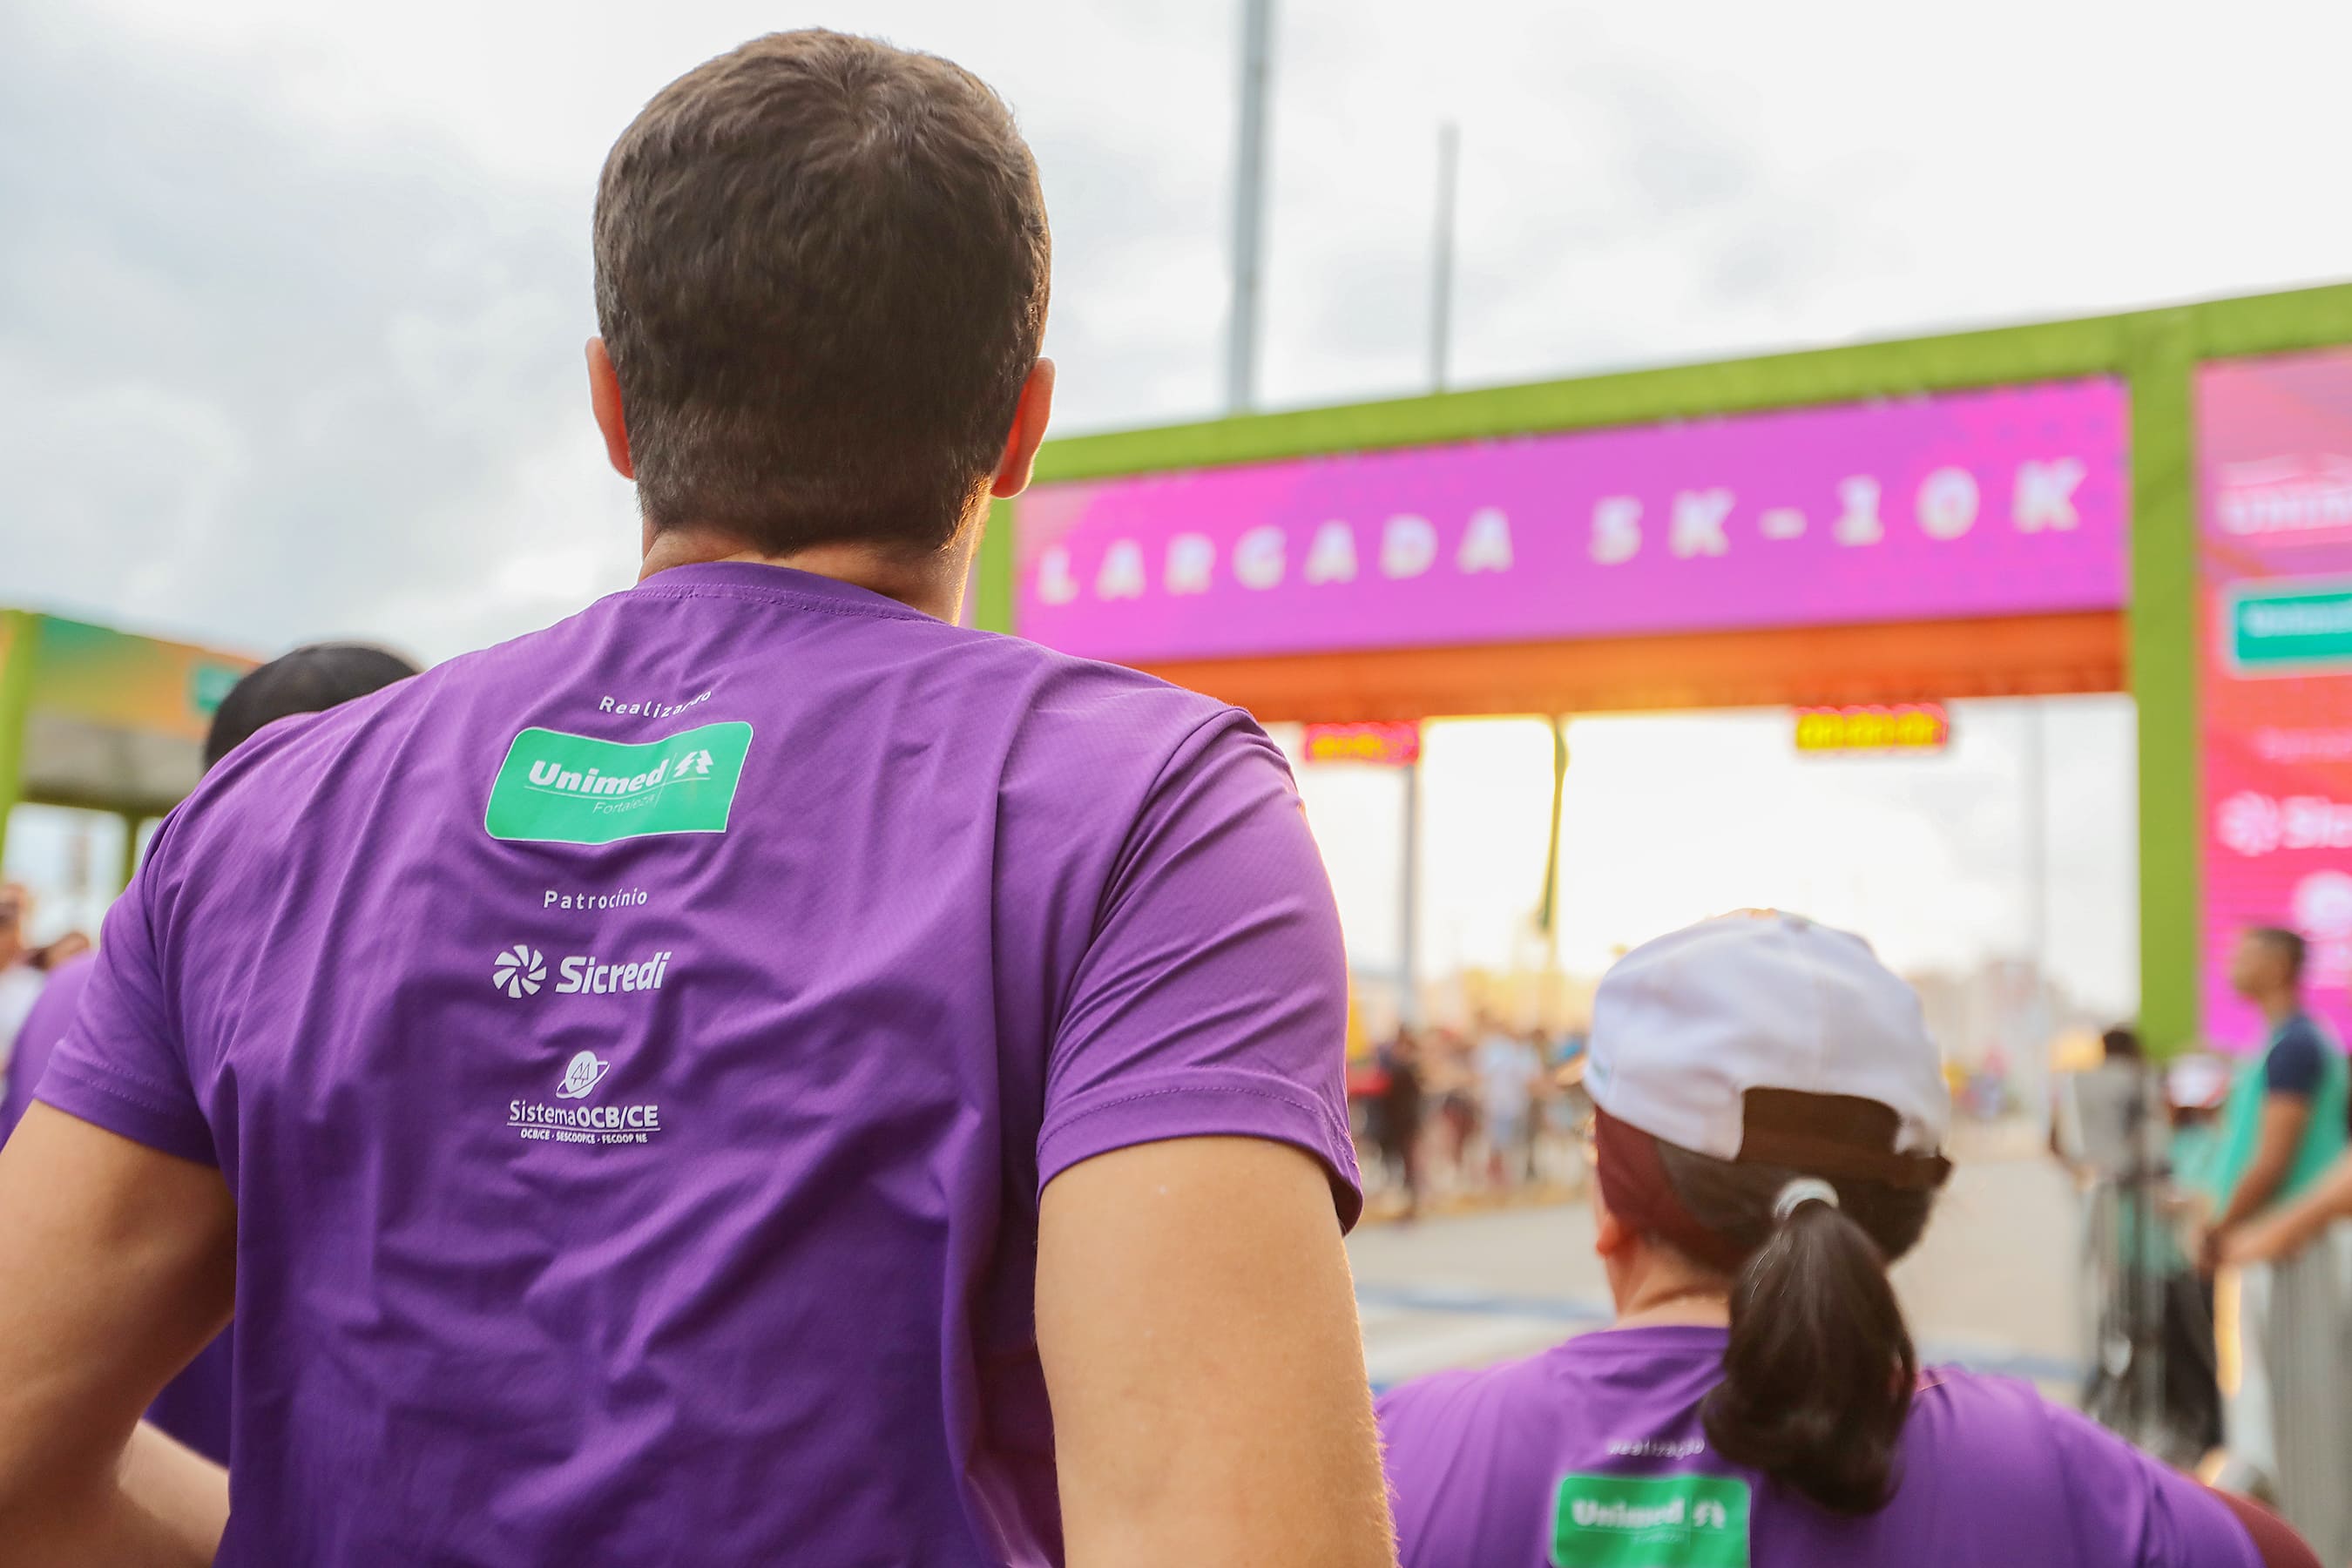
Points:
(821, 272)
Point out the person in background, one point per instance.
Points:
(2283, 1122)
(2109, 1120)
(308, 680)
(1770, 1119)
(63, 951)
(756, 1071)
(1452, 1076)
(21, 979)
(2286, 1419)
(1507, 1069)
(194, 1408)
(1400, 1116)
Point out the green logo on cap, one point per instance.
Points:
(555, 788)
(1650, 1522)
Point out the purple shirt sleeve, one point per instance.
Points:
(1212, 999)
(2140, 1512)
(121, 1064)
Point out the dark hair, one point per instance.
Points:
(308, 681)
(2288, 944)
(821, 272)
(1817, 1374)
(2121, 1044)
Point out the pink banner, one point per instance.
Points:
(2009, 501)
(2275, 457)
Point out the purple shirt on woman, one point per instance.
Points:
(636, 1052)
(1593, 1454)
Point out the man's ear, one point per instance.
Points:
(1028, 430)
(605, 397)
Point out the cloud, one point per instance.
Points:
(258, 384)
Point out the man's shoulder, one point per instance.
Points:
(2298, 1058)
(2307, 1033)
(1082, 723)
(269, 785)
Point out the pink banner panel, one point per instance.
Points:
(2274, 462)
(2006, 501)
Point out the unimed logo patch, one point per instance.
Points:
(1650, 1522)
(556, 789)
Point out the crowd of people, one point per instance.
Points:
(2225, 1322)
(1488, 1111)
(941, 1152)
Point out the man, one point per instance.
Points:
(2285, 1119)
(194, 1408)
(753, 1073)
(2113, 1132)
(2288, 1429)
(1400, 1116)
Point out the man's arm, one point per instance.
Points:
(1198, 1328)
(120, 1266)
(2289, 1229)
(2285, 1119)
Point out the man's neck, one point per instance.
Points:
(2281, 1006)
(932, 582)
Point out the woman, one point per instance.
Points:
(1770, 1117)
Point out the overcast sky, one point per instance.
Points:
(292, 294)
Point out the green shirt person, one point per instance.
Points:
(2284, 1122)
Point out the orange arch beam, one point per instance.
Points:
(1907, 662)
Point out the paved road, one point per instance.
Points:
(1993, 1287)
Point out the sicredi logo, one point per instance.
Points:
(519, 972)
(520, 969)
(559, 788)
(2254, 825)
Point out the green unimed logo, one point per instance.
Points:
(555, 788)
(1650, 1522)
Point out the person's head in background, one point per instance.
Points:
(15, 921)
(2267, 970)
(71, 946)
(2121, 1044)
(310, 679)
(822, 268)
(1770, 1113)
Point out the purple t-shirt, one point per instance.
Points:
(43, 1027)
(1593, 1453)
(194, 1406)
(636, 1052)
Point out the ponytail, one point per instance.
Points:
(1818, 1375)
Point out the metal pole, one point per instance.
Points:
(1249, 207)
(1441, 268)
(1409, 902)
(1550, 914)
(2037, 845)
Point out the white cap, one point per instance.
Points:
(1684, 1027)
